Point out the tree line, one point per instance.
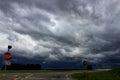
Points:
(23, 67)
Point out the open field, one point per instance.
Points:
(40, 71)
(56, 74)
(37, 76)
(102, 75)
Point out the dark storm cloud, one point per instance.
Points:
(61, 29)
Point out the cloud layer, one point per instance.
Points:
(60, 29)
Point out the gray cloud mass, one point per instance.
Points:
(60, 29)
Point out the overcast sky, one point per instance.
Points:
(56, 30)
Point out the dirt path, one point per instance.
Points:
(37, 76)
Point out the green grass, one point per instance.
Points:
(100, 75)
(39, 71)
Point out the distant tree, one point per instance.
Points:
(88, 67)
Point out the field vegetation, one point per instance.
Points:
(113, 74)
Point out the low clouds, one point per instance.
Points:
(60, 29)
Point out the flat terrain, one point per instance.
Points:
(113, 74)
(37, 76)
(41, 74)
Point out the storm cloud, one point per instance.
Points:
(56, 30)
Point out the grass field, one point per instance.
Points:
(102, 75)
(39, 71)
